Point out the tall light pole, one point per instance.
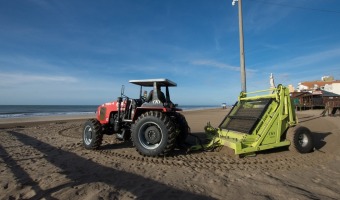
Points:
(242, 60)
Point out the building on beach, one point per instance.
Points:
(317, 94)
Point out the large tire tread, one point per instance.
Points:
(293, 134)
(97, 134)
(183, 128)
(168, 125)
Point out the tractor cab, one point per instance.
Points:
(155, 97)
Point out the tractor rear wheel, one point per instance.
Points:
(153, 134)
(92, 134)
(300, 138)
(183, 128)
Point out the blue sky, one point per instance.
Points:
(82, 51)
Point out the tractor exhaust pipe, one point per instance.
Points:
(117, 121)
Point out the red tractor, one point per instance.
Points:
(152, 121)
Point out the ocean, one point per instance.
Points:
(20, 111)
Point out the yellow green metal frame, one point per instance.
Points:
(266, 134)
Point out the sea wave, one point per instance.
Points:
(22, 115)
(188, 108)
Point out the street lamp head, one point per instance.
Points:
(234, 2)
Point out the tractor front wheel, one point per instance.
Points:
(300, 138)
(153, 134)
(92, 134)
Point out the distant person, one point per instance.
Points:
(145, 95)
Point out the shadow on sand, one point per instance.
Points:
(83, 171)
(319, 139)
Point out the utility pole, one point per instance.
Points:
(242, 60)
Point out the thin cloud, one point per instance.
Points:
(41, 3)
(25, 62)
(219, 65)
(256, 17)
(9, 79)
(215, 64)
(314, 58)
(309, 61)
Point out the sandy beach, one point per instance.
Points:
(43, 158)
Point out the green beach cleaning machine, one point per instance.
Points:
(259, 122)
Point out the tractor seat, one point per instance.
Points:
(160, 95)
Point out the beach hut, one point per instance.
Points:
(331, 102)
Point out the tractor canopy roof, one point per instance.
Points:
(149, 82)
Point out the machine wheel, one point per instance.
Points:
(153, 134)
(301, 139)
(92, 134)
(183, 127)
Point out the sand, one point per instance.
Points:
(45, 159)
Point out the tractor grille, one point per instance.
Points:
(102, 113)
(245, 115)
